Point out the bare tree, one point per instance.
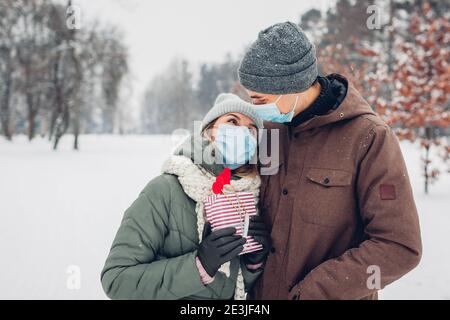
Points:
(8, 21)
(114, 66)
(55, 77)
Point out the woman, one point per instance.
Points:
(163, 249)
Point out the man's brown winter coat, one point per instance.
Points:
(340, 208)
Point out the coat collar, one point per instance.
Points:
(353, 105)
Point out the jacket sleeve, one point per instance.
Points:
(132, 271)
(250, 276)
(388, 212)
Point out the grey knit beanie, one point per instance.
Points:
(228, 102)
(281, 61)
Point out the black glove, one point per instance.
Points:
(219, 247)
(259, 231)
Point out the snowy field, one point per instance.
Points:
(62, 209)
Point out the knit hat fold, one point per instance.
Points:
(228, 103)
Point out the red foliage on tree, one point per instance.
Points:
(414, 98)
(422, 86)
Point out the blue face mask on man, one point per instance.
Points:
(235, 144)
(271, 112)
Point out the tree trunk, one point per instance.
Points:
(429, 135)
(5, 128)
(56, 142)
(75, 142)
(31, 123)
(76, 100)
(6, 125)
(62, 125)
(76, 125)
(5, 112)
(426, 166)
(391, 39)
(57, 102)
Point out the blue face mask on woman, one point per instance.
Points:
(271, 112)
(235, 145)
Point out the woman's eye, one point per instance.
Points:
(259, 101)
(233, 121)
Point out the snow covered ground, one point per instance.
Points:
(60, 210)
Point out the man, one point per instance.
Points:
(340, 207)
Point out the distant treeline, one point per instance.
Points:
(57, 76)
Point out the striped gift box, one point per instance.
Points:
(221, 212)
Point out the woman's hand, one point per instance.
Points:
(259, 231)
(219, 247)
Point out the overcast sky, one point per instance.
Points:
(198, 30)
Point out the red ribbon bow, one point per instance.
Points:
(222, 179)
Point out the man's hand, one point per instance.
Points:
(259, 231)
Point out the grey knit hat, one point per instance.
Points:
(281, 61)
(228, 102)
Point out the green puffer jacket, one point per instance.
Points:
(153, 253)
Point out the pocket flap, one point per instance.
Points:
(329, 177)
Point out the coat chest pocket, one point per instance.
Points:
(326, 197)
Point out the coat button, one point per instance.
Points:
(326, 180)
(285, 191)
(272, 250)
(296, 135)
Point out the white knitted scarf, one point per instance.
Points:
(196, 183)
